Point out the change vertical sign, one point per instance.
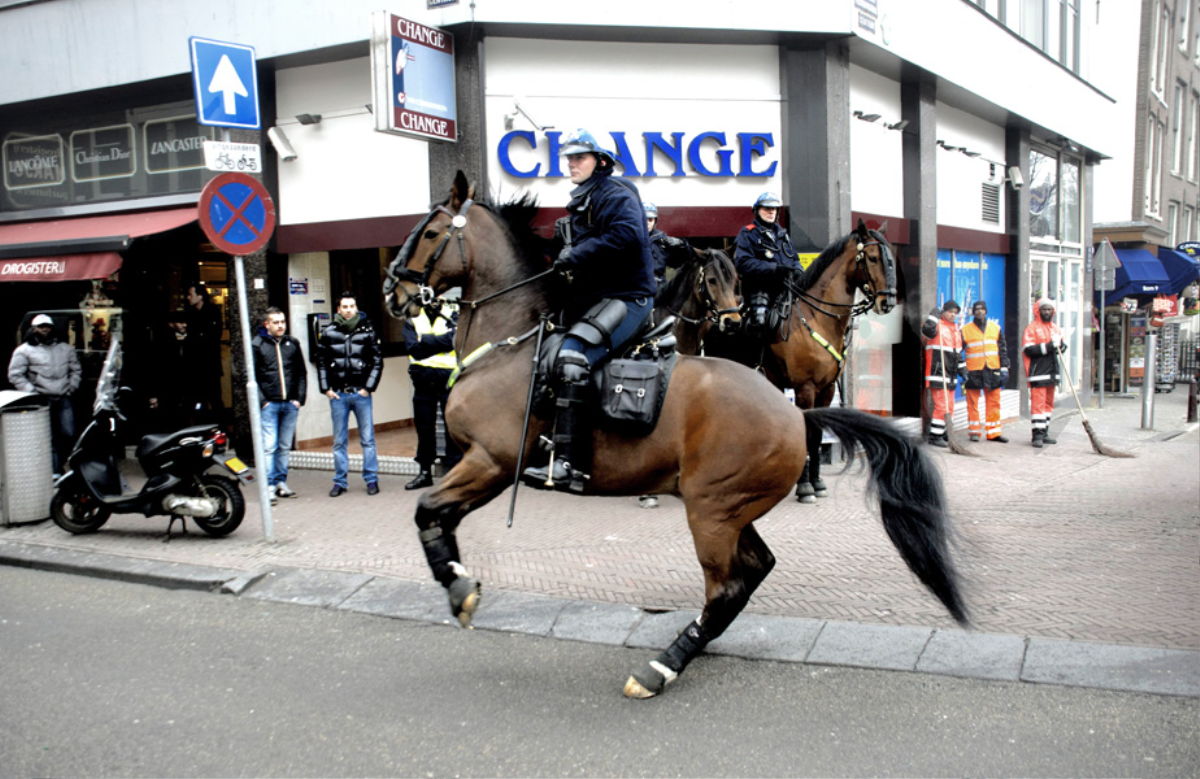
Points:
(412, 67)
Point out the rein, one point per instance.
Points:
(713, 315)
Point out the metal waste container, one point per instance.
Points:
(26, 465)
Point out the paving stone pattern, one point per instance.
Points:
(1058, 543)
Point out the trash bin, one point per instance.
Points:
(26, 465)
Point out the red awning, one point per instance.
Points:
(81, 248)
(65, 267)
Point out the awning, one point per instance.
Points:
(81, 248)
(1182, 269)
(1140, 273)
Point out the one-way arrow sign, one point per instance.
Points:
(226, 83)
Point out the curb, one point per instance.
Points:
(957, 653)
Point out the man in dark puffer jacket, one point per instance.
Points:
(349, 366)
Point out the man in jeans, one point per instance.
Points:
(282, 379)
(349, 366)
(49, 367)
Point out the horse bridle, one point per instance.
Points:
(426, 293)
(863, 275)
(712, 313)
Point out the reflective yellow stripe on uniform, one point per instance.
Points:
(439, 326)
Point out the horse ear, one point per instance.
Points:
(701, 254)
(862, 228)
(460, 192)
(883, 229)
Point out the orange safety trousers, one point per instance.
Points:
(1041, 407)
(992, 404)
(943, 404)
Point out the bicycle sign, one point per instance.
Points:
(223, 156)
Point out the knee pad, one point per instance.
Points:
(595, 328)
(572, 367)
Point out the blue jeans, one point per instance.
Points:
(340, 410)
(278, 427)
(62, 431)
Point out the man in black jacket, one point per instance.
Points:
(282, 379)
(349, 366)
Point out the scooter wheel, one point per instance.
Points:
(77, 511)
(233, 506)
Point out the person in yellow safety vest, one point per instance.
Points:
(987, 372)
(429, 339)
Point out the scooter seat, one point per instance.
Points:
(157, 441)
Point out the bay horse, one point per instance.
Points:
(808, 352)
(701, 295)
(727, 443)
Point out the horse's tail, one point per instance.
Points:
(910, 494)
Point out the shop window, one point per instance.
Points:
(966, 277)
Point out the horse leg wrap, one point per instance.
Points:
(665, 668)
(440, 555)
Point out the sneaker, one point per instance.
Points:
(373, 488)
(336, 491)
(284, 491)
(648, 502)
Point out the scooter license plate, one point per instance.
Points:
(236, 465)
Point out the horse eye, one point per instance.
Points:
(430, 235)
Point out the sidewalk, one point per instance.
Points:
(1081, 569)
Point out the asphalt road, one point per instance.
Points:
(102, 678)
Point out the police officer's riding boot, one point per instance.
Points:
(570, 458)
(1039, 436)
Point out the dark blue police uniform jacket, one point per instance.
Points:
(760, 248)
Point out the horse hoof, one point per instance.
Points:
(805, 493)
(465, 594)
(819, 489)
(807, 498)
(634, 689)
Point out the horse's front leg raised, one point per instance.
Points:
(469, 485)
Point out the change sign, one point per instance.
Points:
(413, 71)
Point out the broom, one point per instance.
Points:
(955, 445)
(1096, 443)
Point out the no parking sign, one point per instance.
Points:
(237, 213)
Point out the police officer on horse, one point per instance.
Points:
(667, 251)
(766, 261)
(610, 295)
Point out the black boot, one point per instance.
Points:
(424, 479)
(1038, 437)
(570, 459)
(1047, 439)
(938, 439)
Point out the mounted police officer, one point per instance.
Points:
(667, 251)
(765, 261)
(610, 295)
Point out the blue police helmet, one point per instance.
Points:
(650, 209)
(581, 142)
(767, 200)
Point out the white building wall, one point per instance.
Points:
(344, 168)
(876, 153)
(960, 178)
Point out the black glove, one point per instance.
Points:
(1004, 375)
(784, 272)
(672, 243)
(562, 264)
(962, 372)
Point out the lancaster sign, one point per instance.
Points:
(712, 154)
(412, 68)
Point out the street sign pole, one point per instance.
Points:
(1103, 318)
(238, 216)
(260, 461)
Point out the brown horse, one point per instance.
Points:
(725, 480)
(703, 293)
(808, 352)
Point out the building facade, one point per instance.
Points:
(970, 129)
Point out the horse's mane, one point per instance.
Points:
(818, 267)
(517, 216)
(679, 287)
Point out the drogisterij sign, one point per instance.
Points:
(412, 67)
(712, 154)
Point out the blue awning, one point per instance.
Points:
(1182, 269)
(1140, 273)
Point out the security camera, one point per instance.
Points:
(281, 144)
(1015, 178)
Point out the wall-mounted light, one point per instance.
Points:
(867, 117)
(510, 118)
(900, 125)
(970, 153)
(948, 147)
(281, 144)
(308, 118)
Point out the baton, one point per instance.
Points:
(537, 350)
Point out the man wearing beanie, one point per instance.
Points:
(943, 364)
(987, 372)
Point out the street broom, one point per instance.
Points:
(955, 445)
(1096, 442)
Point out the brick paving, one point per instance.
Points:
(1053, 543)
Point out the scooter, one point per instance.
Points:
(175, 464)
